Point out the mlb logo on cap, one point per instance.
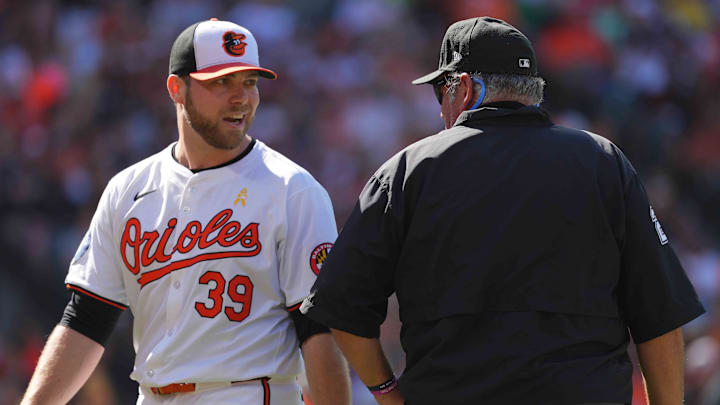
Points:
(213, 48)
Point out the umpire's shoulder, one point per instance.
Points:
(578, 139)
(591, 147)
(606, 148)
(424, 150)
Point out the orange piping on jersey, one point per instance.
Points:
(266, 391)
(89, 294)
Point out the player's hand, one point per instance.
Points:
(393, 397)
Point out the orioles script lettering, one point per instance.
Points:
(219, 231)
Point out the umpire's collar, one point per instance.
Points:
(505, 112)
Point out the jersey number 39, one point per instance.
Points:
(237, 294)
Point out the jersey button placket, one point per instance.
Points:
(186, 195)
(174, 303)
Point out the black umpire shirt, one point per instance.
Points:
(521, 253)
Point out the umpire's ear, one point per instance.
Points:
(176, 89)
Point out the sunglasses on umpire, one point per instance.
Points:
(438, 87)
(440, 84)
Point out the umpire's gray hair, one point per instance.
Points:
(525, 89)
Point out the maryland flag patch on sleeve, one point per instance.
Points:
(319, 255)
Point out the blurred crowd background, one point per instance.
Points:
(82, 95)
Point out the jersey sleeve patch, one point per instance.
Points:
(97, 297)
(83, 248)
(318, 256)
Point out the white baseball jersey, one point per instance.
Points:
(210, 263)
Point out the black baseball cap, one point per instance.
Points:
(485, 45)
(212, 48)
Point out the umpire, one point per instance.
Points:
(523, 254)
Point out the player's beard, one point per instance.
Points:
(210, 130)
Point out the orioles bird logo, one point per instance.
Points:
(233, 43)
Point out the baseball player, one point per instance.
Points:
(212, 243)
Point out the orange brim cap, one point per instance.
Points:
(212, 72)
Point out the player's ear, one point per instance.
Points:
(176, 89)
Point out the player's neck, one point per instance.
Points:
(195, 154)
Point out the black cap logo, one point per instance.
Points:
(233, 43)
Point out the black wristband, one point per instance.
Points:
(382, 386)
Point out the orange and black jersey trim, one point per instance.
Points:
(115, 304)
(90, 314)
(266, 390)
